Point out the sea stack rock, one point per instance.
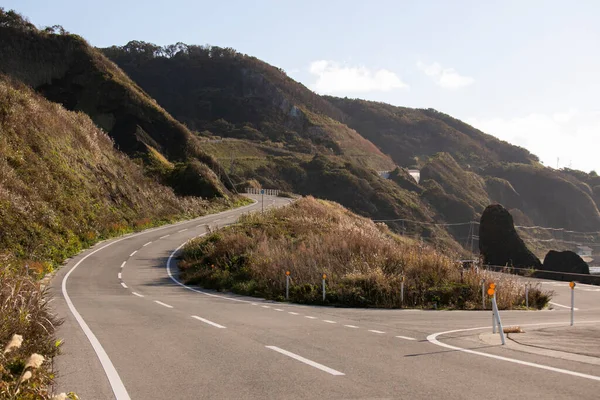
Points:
(565, 261)
(499, 242)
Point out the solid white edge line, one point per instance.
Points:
(109, 369)
(208, 322)
(147, 244)
(123, 265)
(433, 339)
(137, 294)
(306, 361)
(133, 254)
(114, 379)
(351, 326)
(163, 304)
(124, 285)
(560, 305)
(375, 331)
(406, 337)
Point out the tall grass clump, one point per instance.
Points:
(27, 342)
(364, 262)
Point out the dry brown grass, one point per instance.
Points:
(25, 311)
(364, 261)
(63, 186)
(513, 329)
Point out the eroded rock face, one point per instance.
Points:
(565, 261)
(499, 242)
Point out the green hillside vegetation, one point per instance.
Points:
(66, 70)
(234, 95)
(410, 136)
(549, 197)
(592, 180)
(364, 262)
(465, 185)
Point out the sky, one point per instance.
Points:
(524, 71)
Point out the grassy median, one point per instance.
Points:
(364, 263)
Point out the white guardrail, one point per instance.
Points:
(268, 192)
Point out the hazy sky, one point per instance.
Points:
(524, 71)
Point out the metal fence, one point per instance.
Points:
(268, 192)
(543, 274)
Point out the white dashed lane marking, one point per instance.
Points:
(305, 361)
(351, 326)
(120, 276)
(329, 322)
(266, 306)
(309, 317)
(123, 265)
(406, 338)
(208, 322)
(147, 244)
(133, 254)
(163, 304)
(137, 294)
(124, 285)
(183, 230)
(277, 309)
(293, 313)
(163, 237)
(375, 331)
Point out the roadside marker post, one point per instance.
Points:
(527, 295)
(572, 286)
(287, 285)
(324, 277)
(491, 292)
(483, 293)
(262, 194)
(402, 291)
(496, 313)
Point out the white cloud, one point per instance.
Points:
(335, 78)
(445, 77)
(568, 136)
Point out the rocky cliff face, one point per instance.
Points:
(499, 242)
(565, 261)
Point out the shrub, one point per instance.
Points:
(364, 262)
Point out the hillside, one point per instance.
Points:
(550, 198)
(63, 186)
(234, 95)
(66, 70)
(409, 136)
(283, 135)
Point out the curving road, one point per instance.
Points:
(132, 331)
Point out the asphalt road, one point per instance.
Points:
(131, 331)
